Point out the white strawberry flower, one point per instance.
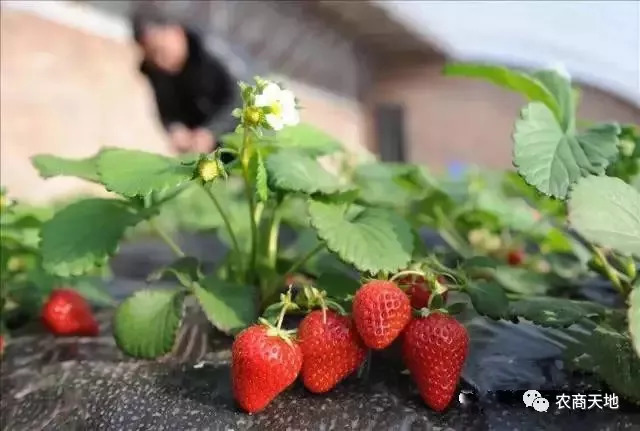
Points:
(280, 105)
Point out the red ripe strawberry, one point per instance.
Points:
(418, 290)
(67, 313)
(434, 349)
(331, 351)
(262, 366)
(381, 310)
(515, 257)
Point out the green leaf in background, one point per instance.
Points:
(260, 174)
(49, 166)
(513, 213)
(488, 299)
(527, 85)
(387, 184)
(229, 307)
(610, 355)
(373, 240)
(521, 280)
(338, 286)
(634, 316)
(186, 270)
(553, 312)
(307, 139)
(606, 211)
(84, 235)
(93, 290)
(146, 323)
(551, 159)
(296, 172)
(138, 173)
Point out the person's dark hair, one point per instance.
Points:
(142, 19)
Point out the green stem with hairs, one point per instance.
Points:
(226, 221)
(248, 183)
(167, 239)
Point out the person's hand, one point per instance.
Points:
(180, 137)
(203, 141)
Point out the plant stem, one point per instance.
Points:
(226, 221)
(246, 156)
(167, 239)
(305, 258)
(272, 244)
(610, 271)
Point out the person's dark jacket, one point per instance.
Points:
(203, 94)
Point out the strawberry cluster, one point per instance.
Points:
(329, 346)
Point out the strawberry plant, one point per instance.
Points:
(357, 240)
(24, 284)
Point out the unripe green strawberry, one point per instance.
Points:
(331, 350)
(434, 349)
(381, 310)
(262, 366)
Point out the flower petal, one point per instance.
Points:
(274, 121)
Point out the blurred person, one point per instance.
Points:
(194, 92)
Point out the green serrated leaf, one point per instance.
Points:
(553, 312)
(338, 286)
(84, 235)
(488, 299)
(138, 173)
(610, 355)
(307, 139)
(49, 166)
(551, 159)
(146, 323)
(186, 270)
(633, 315)
(606, 211)
(373, 240)
(563, 93)
(527, 85)
(296, 172)
(260, 174)
(229, 307)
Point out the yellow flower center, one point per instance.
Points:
(276, 108)
(208, 170)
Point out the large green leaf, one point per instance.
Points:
(488, 299)
(53, 166)
(564, 95)
(373, 240)
(634, 316)
(146, 323)
(606, 211)
(138, 173)
(84, 234)
(308, 139)
(296, 172)
(553, 312)
(551, 159)
(529, 86)
(610, 355)
(229, 307)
